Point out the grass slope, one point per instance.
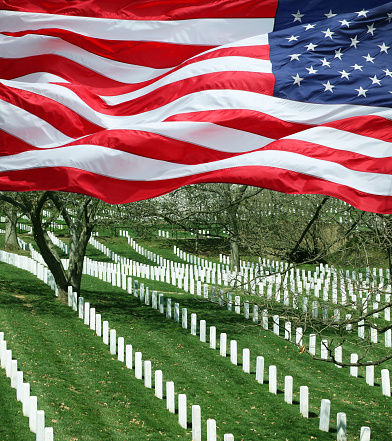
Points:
(88, 395)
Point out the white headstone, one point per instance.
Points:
(184, 318)
(341, 425)
(196, 423)
(260, 369)
(338, 355)
(128, 357)
(138, 365)
(324, 415)
(26, 399)
(312, 344)
(19, 386)
(147, 374)
(385, 382)
(324, 349)
(299, 336)
(212, 337)
(40, 425)
(246, 360)
(365, 434)
(275, 322)
(98, 325)
(49, 434)
(92, 319)
(33, 414)
(203, 337)
(182, 411)
(113, 342)
(193, 324)
(170, 402)
(287, 330)
(223, 344)
(304, 401)
(120, 349)
(370, 375)
(158, 384)
(354, 369)
(288, 389)
(272, 380)
(233, 351)
(211, 430)
(87, 313)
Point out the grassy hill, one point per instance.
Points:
(88, 394)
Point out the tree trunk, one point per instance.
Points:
(62, 295)
(234, 254)
(11, 238)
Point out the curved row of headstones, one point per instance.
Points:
(143, 370)
(272, 374)
(116, 346)
(299, 335)
(121, 278)
(158, 302)
(29, 402)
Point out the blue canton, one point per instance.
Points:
(344, 58)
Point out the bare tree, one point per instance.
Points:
(80, 215)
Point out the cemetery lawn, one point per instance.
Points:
(87, 394)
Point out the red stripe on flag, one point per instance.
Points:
(115, 191)
(247, 81)
(135, 52)
(59, 116)
(242, 119)
(67, 69)
(137, 142)
(151, 10)
(369, 125)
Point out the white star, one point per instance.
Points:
(362, 13)
(311, 46)
(325, 62)
(383, 47)
(375, 80)
(297, 79)
(345, 23)
(354, 41)
(330, 14)
(389, 17)
(292, 38)
(361, 91)
(311, 70)
(368, 58)
(388, 73)
(371, 29)
(294, 57)
(328, 33)
(309, 26)
(338, 54)
(344, 74)
(356, 67)
(298, 16)
(328, 86)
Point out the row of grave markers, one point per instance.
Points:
(143, 369)
(44, 274)
(37, 417)
(29, 402)
(160, 302)
(255, 312)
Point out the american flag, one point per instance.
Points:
(128, 100)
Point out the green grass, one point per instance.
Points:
(88, 395)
